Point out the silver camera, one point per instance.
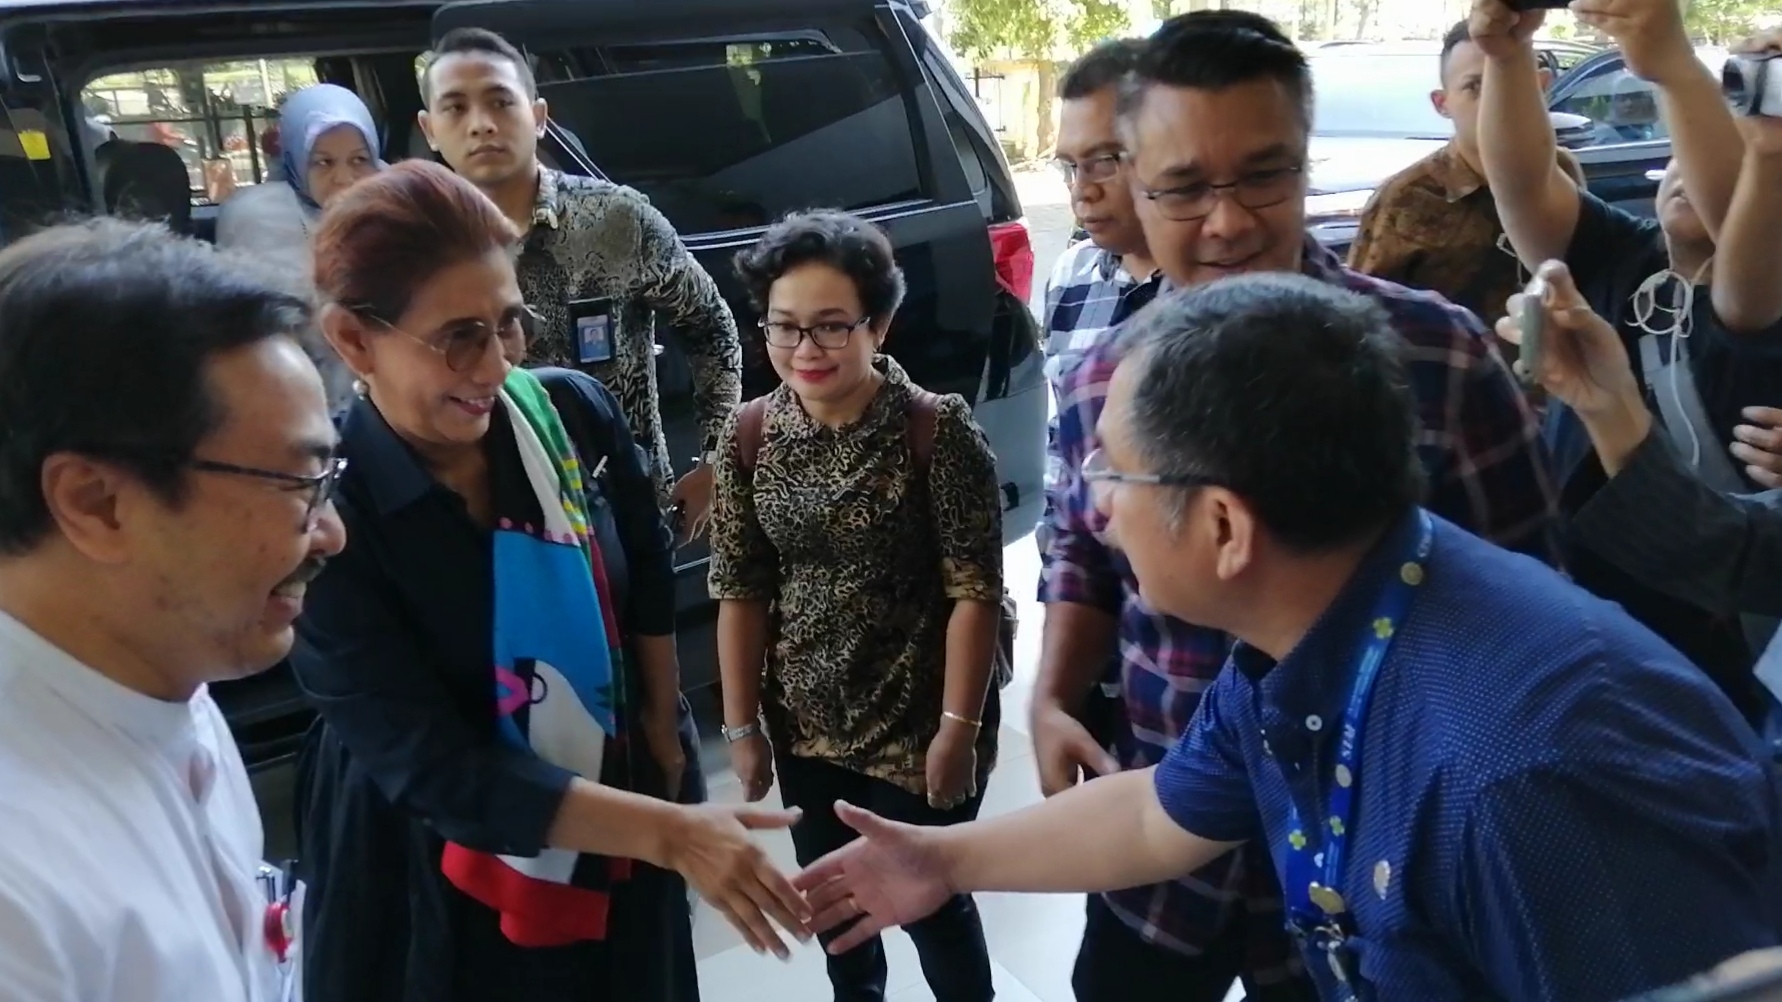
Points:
(1753, 84)
(1532, 320)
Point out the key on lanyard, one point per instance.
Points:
(1337, 956)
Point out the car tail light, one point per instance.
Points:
(1012, 249)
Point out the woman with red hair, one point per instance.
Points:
(486, 801)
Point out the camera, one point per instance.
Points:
(1753, 84)
(1532, 320)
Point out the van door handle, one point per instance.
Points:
(1655, 175)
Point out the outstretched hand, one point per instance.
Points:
(894, 874)
(714, 850)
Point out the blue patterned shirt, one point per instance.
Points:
(1552, 805)
(1487, 472)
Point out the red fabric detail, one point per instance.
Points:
(608, 616)
(534, 913)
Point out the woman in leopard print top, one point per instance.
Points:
(858, 569)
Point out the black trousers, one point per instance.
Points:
(1116, 964)
(950, 943)
(693, 791)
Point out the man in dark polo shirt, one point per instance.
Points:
(1478, 781)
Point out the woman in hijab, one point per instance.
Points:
(328, 141)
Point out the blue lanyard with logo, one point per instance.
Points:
(1316, 910)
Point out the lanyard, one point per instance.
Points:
(1316, 910)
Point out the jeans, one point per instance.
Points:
(950, 943)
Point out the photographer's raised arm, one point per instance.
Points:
(1536, 201)
(1747, 267)
(1704, 138)
(1747, 270)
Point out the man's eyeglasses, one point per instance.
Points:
(1255, 190)
(465, 342)
(320, 486)
(1098, 474)
(829, 335)
(1094, 170)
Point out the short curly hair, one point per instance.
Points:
(841, 240)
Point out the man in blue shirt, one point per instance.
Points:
(1476, 780)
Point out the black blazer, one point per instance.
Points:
(394, 651)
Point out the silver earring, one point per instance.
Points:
(359, 388)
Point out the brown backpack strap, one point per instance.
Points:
(749, 420)
(918, 430)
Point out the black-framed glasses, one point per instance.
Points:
(1098, 474)
(320, 486)
(464, 343)
(829, 335)
(1093, 170)
(1256, 190)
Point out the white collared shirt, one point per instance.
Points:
(129, 841)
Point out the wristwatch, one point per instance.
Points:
(735, 734)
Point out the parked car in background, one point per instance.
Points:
(1374, 119)
(727, 115)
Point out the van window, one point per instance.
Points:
(219, 117)
(1623, 107)
(975, 174)
(729, 133)
(38, 183)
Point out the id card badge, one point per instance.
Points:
(592, 320)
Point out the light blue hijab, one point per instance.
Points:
(306, 115)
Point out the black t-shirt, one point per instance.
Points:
(1612, 253)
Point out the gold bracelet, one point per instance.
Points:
(963, 719)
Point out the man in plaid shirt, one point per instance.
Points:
(1099, 282)
(1215, 121)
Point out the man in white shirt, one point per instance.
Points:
(165, 474)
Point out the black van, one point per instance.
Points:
(726, 113)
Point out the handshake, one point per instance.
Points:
(892, 875)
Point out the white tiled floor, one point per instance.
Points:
(1033, 938)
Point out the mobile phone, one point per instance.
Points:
(1537, 4)
(676, 517)
(1531, 319)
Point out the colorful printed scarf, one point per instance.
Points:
(559, 679)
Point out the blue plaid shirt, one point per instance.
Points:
(1481, 448)
(1088, 294)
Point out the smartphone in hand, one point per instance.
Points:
(1532, 321)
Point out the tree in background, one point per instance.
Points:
(1033, 29)
(1722, 21)
(1041, 32)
